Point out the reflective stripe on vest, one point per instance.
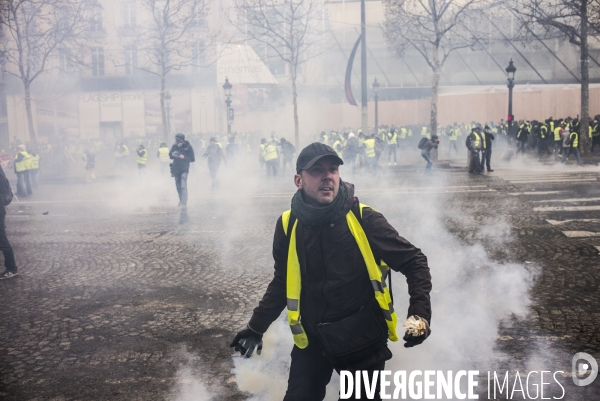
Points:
(24, 164)
(269, 152)
(143, 158)
(35, 162)
(377, 275)
(163, 154)
(370, 147)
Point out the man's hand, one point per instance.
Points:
(417, 330)
(181, 156)
(246, 340)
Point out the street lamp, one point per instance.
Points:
(168, 104)
(510, 73)
(375, 86)
(227, 89)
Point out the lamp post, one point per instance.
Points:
(375, 86)
(227, 89)
(510, 73)
(168, 104)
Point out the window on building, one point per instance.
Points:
(198, 55)
(130, 59)
(64, 60)
(95, 24)
(129, 17)
(98, 61)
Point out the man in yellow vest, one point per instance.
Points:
(370, 152)
(270, 155)
(572, 145)
(392, 146)
(595, 134)
(23, 164)
(163, 157)
(35, 167)
(332, 257)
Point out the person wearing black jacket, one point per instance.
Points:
(486, 152)
(182, 155)
(336, 281)
(5, 247)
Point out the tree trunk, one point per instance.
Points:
(585, 82)
(295, 102)
(163, 111)
(435, 82)
(32, 136)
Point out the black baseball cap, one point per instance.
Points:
(180, 136)
(314, 152)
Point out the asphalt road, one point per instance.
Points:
(118, 289)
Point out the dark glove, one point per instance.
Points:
(412, 338)
(246, 340)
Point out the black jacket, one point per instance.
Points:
(335, 281)
(182, 165)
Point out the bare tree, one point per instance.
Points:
(571, 19)
(34, 31)
(291, 29)
(435, 29)
(173, 36)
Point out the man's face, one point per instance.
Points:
(321, 182)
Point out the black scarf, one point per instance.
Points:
(316, 215)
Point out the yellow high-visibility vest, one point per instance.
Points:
(35, 162)
(483, 139)
(377, 275)
(163, 154)
(574, 139)
(25, 164)
(557, 134)
(453, 134)
(477, 140)
(392, 138)
(370, 147)
(403, 133)
(424, 131)
(269, 152)
(143, 158)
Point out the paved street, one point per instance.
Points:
(122, 296)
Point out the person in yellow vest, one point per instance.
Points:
(452, 133)
(392, 146)
(571, 145)
(121, 155)
(368, 148)
(163, 157)
(142, 159)
(474, 145)
(333, 256)
(595, 134)
(35, 167)
(557, 134)
(22, 165)
(270, 155)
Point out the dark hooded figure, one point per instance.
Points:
(182, 155)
